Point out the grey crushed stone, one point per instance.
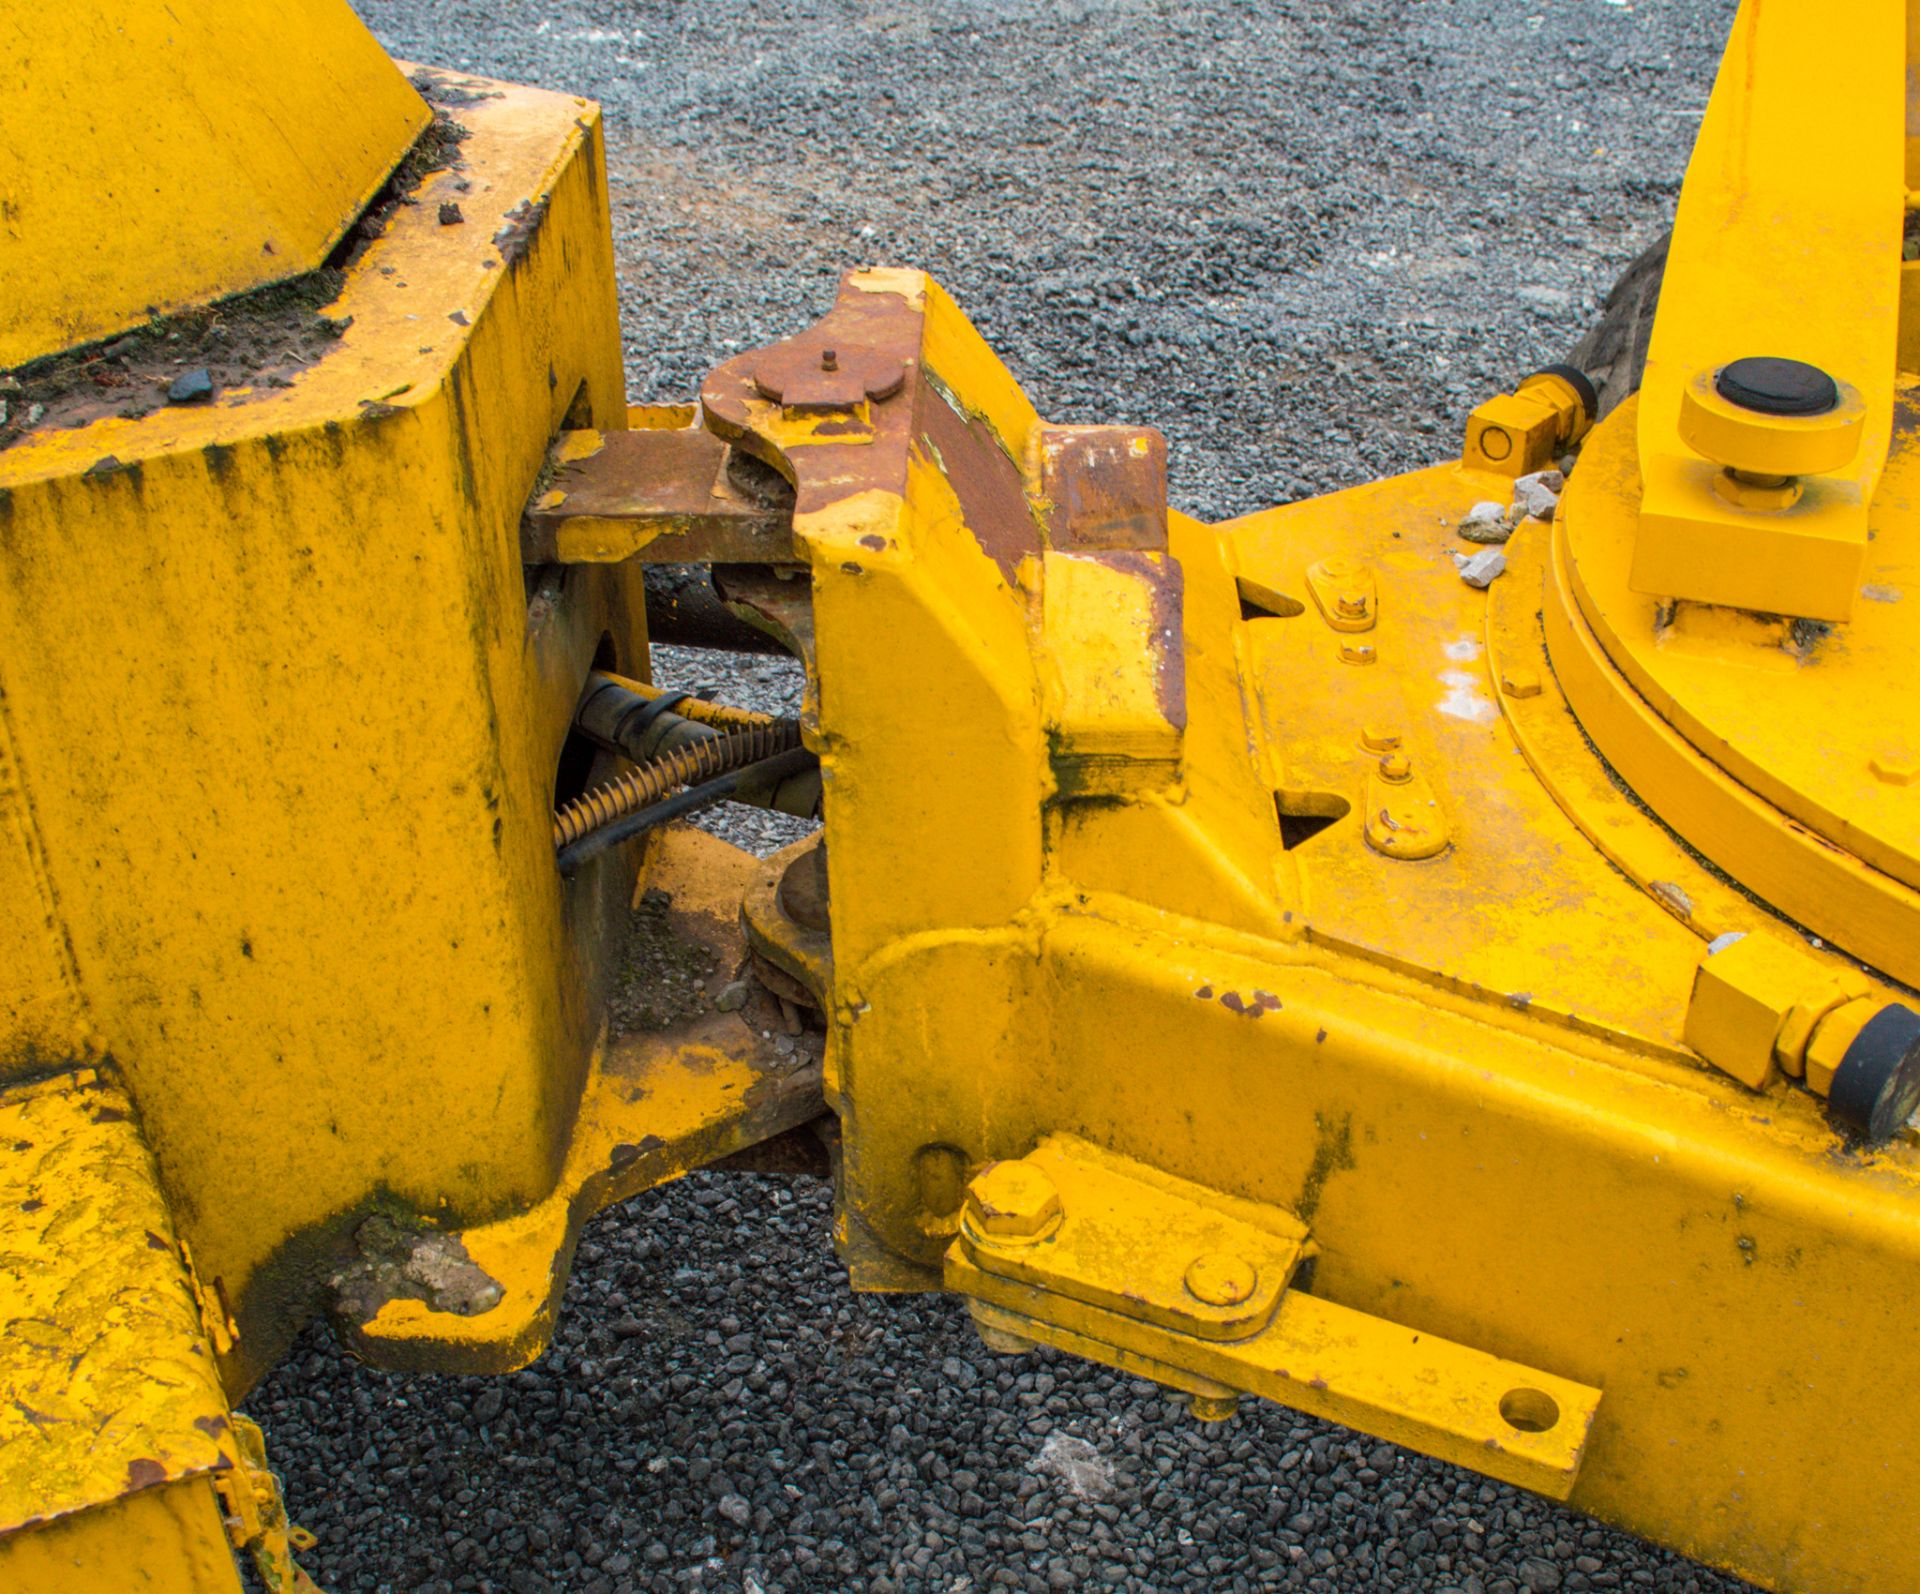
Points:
(1301, 238)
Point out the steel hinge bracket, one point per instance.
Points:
(1093, 1253)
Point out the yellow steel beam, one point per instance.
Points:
(1784, 246)
(163, 1541)
(161, 156)
(108, 1385)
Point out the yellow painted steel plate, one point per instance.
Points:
(157, 157)
(1819, 722)
(109, 1388)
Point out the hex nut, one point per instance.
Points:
(1827, 1047)
(1012, 1201)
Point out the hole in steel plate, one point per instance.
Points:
(1304, 814)
(1258, 601)
(1529, 1410)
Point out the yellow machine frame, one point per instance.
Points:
(1248, 954)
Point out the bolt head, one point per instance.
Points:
(1396, 767)
(1520, 683)
(1357, 653)
(1219, 1278)
(1895, 766)
(1379, 739)
(1013, 1201)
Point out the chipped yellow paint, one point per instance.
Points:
(901, 281)
(1106, 661)
(109, 1384)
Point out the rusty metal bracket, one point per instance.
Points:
(662, 497)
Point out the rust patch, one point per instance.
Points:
(1105, 487)
(212, 1426)
(875, 454)
(1205, 993)
(812, 373)
(1262, 1003)
(1166, 583)
(32, 1204)
(992, 496)
(144, 1472)
(874, 541)
(155, 1243)
(680, 479)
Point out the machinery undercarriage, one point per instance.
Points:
(1438, 965)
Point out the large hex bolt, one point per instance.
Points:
(1011, 1203)
(1768, 422)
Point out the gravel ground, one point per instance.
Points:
(1301, 238)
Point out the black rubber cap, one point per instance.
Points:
(1770, 386)
(1877, 1086)
(1581, 383)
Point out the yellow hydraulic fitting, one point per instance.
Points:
(1828, 1042)
(1745, 990)
(1758, 1001)
(1514, 434)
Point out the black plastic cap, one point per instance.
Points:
(1770, 386)
(1581, 383)
(1877, 1086)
